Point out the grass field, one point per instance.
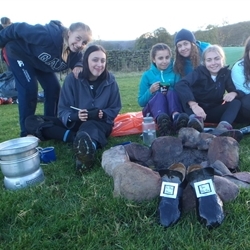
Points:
(70, 211)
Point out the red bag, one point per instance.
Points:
(128, 124)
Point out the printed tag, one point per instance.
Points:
(169, 189)
(204, 188)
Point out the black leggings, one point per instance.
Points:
(226, 112)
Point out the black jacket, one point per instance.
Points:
(198, 86)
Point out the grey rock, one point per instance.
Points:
(139, 153)
(204, 141)
(226, 189)
(113, 157)
(135, 182)
(189, 137)
(225, 149)
(220, 168)
(165, 151)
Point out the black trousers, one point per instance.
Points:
(99, 131)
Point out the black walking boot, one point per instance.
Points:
(209, 205)
(169, 208)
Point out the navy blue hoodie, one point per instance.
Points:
(39, 45)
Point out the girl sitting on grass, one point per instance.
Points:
(156, 91)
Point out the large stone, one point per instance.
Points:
(226, 189)
(165, 151)
(189, 137)
(140, 154)
(204, 141)
(225, 149)
(136, 182)
(113, 157)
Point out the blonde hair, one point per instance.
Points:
(217, 49)
(73, 27)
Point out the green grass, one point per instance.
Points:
(70, 211)
(233, 54)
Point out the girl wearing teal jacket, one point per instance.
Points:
(156, 91)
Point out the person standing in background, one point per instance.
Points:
(188, 52)
(34, 53)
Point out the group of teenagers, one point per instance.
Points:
(196, 87)
(179, 92)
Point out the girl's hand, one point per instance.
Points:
(154, 87)
(198, 111)
(76, 71)
(229, 96)
(83, 115)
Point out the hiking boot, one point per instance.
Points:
(180, 121)
(196, 122)
(164, 124)
(173, 183)
(209, 205)
(225, 129)
(84, 151)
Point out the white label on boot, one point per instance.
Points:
(204, 188)
(169, 189)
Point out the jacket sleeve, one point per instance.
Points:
(183, 87)
(23, 31)
(114, 104)
(66, 100)
(144, 93)
(238, 77)
(75, 60)
(230, 87)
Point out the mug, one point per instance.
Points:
(47, 154)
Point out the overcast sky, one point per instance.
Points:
(128, 19)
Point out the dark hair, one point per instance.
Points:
(5, 21)
(179, 64)
(246, 64)
(86, 72)
(157, 47)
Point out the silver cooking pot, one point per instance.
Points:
(18, 148)
(21, 167)
(22, 182)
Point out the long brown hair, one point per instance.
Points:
(246, 64)
(179, 64)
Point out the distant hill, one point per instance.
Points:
(227, 36)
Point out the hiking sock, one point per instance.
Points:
(59, 133)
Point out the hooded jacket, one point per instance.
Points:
(77, 93)
(166, 77)
(39, 45)
(198, 86)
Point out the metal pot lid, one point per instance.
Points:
(18, 145)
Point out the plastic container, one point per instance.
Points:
(149, 131)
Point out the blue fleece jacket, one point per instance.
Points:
(39, 45)
(166, 77)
